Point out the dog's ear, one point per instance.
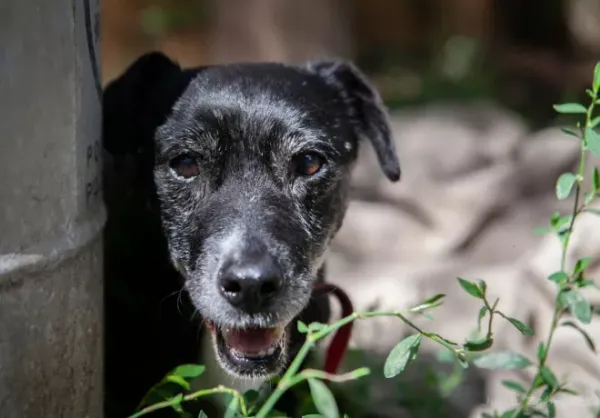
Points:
(365, 109)
(137, 102)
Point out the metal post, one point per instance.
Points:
(51, 211)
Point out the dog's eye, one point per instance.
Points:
(308, 164)
(185, 166)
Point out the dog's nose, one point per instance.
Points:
(250, 284)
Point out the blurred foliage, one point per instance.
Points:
(160, 18)
(437, 66)
(455, 73)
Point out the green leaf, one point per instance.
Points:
(581, 265)
(568, 391)
(323, 399)
(177, 399)
(401, 356)
(460, 357)
(502, 360)
(431, 302)
(434, 299)
(562, 223)
(316, 326)
(525, 330)
(538, 382)
(188, 371)
(586, 336)
(596, 179)
(595, 122)
(179, 381)
(587, 283)
(251, 396)
(596, 82)
(593, 140)
(570, 132)
(445, 355)
(427, 315)
(509, 414)
(541, 351)
(564, 185)
(549, 377)
(202, 414)
(482, 285)
(559, 277)
(302, 327)
(570, 108)
(551, 410)
(578, 305)
(180, 411)
(512, 385)
(470, 288)
(480, 316)
(479, 345)
(563, 236)
(541, 231)
(313, 416)
(546, 394)
(276, 414)
(233, 408)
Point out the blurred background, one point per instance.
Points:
(470, 85)
(525, 54)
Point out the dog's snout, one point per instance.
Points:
(250, 284)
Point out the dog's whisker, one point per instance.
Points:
(180, 300)
(169, 295)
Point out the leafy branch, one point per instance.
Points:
(568, 298)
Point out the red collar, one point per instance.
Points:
(339, 344)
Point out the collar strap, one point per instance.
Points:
(339, 344)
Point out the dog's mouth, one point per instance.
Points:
(250, 352)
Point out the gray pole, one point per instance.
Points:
(51, 211)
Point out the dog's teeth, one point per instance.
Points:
(267, 352)
(262, 353)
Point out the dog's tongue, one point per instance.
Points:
(251, 341)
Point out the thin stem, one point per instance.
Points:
(492, 311)
(201, 393)
(318, 374)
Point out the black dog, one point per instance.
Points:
(228, 182)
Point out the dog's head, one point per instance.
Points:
(251, 165)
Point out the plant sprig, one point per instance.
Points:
(568, 297)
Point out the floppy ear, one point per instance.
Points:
(137, 102)
(365, 109)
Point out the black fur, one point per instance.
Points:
(244, 124)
